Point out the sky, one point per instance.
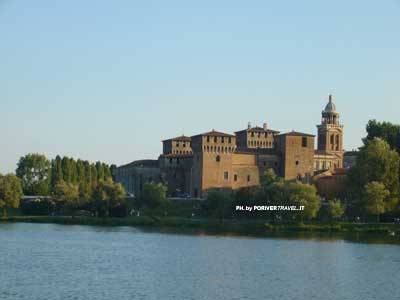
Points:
(108, 80)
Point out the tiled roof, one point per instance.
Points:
(257, 129)
(183, 138)
(147, 163)
(296, 133)
(215, 133)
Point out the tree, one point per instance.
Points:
(335, 209)
(375, 162)
(219, 203)
(108, 195)
(113, 170)
(385, 130)
(56, 171)
(154, 196)
(374, 198)
(66, 169)
(34, 171)
(100, 171)
(300, 194)
(66, 193)
(10, 192)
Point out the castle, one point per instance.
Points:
(190, 166)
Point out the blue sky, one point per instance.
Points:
(108, 80)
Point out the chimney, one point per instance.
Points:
(249, 125)
(265, 126)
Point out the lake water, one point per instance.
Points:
(46, 261)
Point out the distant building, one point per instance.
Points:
(135, 174)
(190, 166)
(349, 159)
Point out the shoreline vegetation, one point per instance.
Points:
(387, 232)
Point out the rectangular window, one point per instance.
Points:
(215, 139)
(226, 175)
(248, 178)
(208, 139)
(304, 142)
(235, 177)
(229, 140)
(222, 140)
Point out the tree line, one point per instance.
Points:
(70, 184)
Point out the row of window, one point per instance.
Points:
(222, 139)
(266, 134)
(235, 177)
(183, 144)
(264, 144)
(218, 149)
(322, 165)
(182, 152)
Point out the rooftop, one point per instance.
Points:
(330, 107)
(144, 163)
(214, 133)
(296, 133)
(183, 138)
(257, 129)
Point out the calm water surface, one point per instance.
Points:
(46, 261)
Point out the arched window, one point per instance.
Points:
(218, 158)
(337, 142)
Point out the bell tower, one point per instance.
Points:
(330, 133)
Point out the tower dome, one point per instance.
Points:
(330, 107)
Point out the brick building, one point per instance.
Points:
(190, 166)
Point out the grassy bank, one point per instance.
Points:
(240, 227)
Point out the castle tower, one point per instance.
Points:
(330, 134)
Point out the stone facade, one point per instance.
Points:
(297, 152)
(190, 166)
(134, 175)
(256, 138)
(178, 146)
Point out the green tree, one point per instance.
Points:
(108, 195)
(10, 192)
(66, 169)
(93, 173)
(300, 194)
(66, 193)
(56, 171)
(374, 198)
(154, 196)
(100, 171)
(34, 170)
(74, 171)
(336, 209)
(219, 203)
(385, 130)
(113, 170)
(375, 162)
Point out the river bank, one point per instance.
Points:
(215, 226)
